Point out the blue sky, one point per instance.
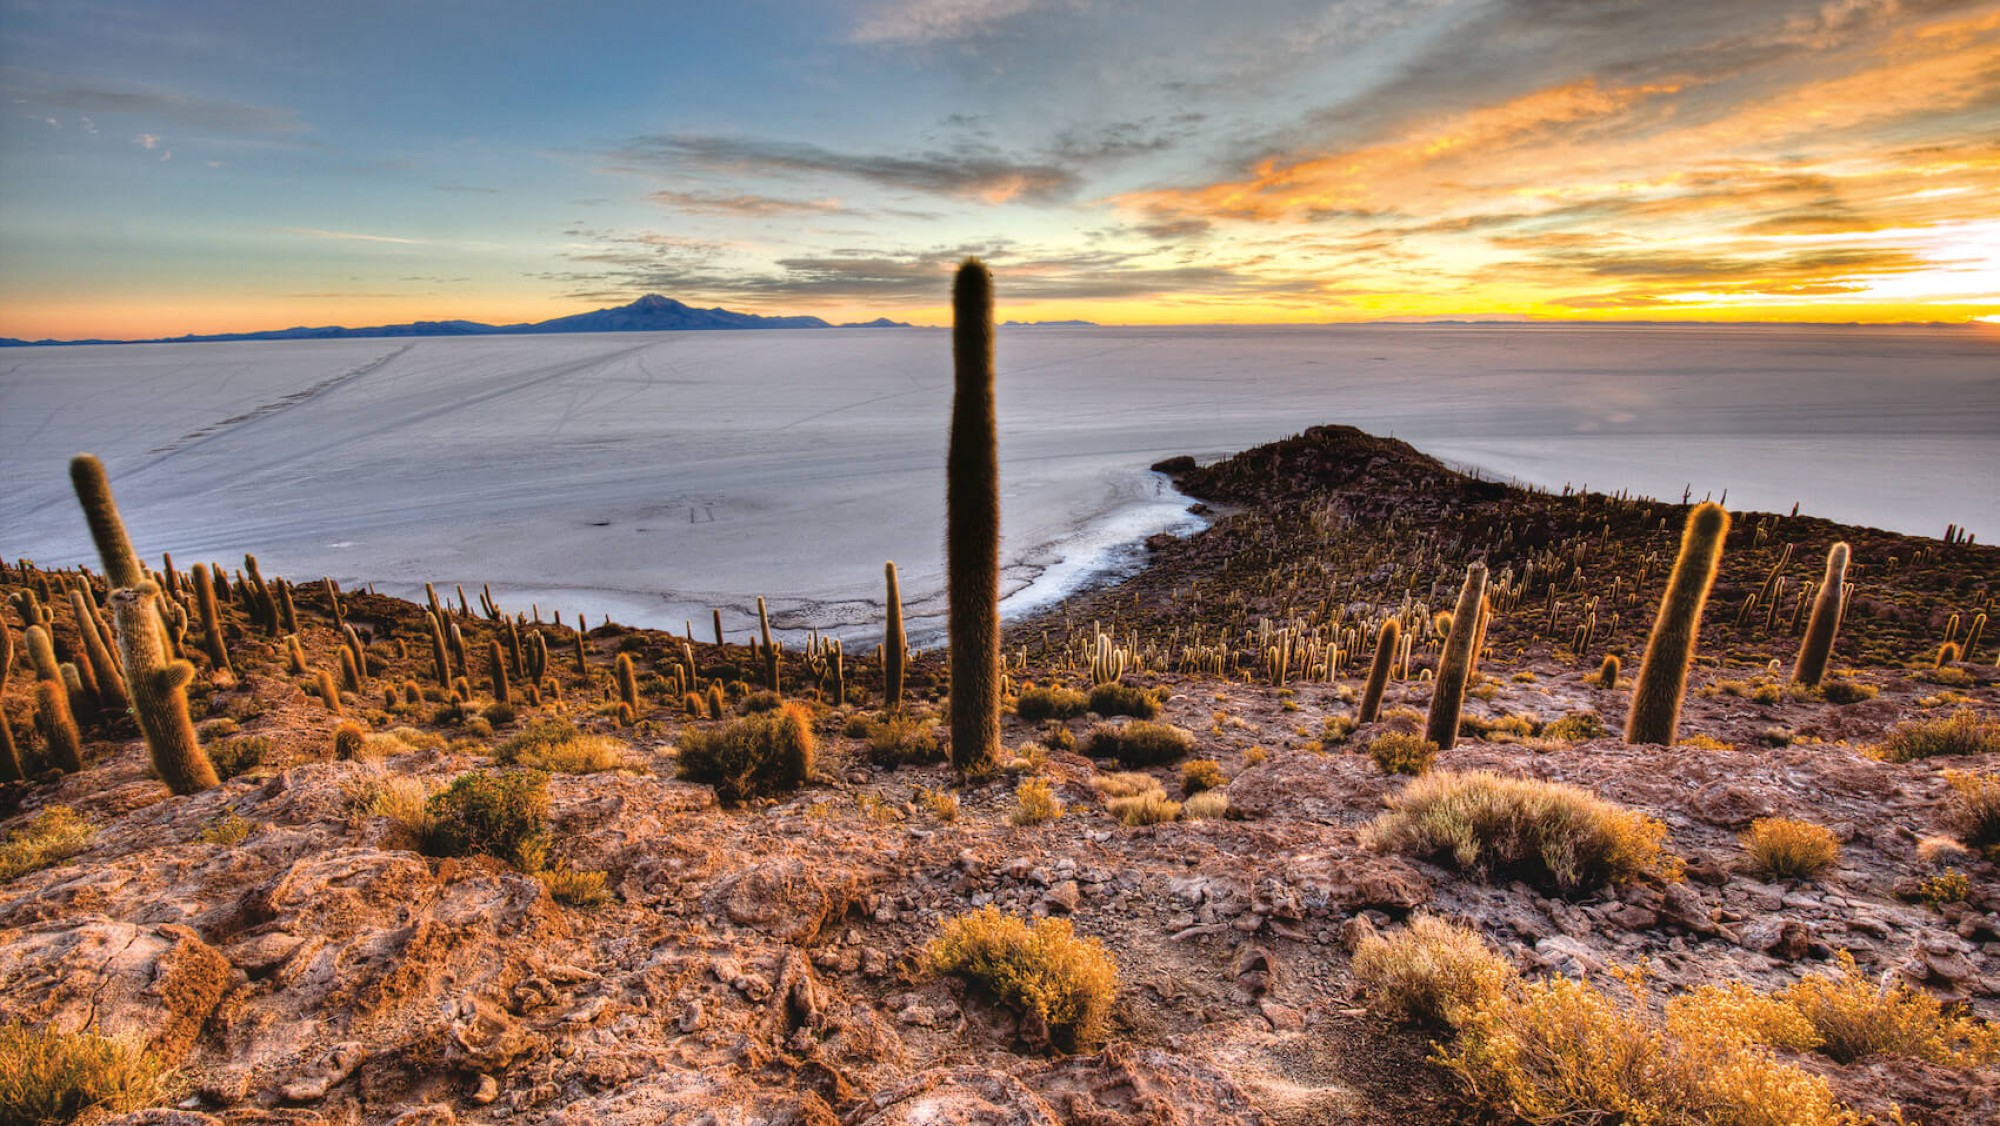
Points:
(207, 167)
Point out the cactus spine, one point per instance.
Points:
(895, 644)
(211, 620)
(1455, 663)
(1656, 697)
(1810, 668)
(159, 692)
(972, 527)
(1387, 641)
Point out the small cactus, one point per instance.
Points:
(628, 682)
(497, 664)
(159, 692)
(10, 755)
(972, 527)
(1810, 668)
(1455, 663)
(1656, 697)
(329, 692)
(766, 650)
(1607, 674)
(104, 672)
(348, 738)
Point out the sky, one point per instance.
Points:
(168, 168)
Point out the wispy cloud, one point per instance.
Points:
(349, 236)
(745, 204)
(150, 106)
(967, 172)
(934, 21)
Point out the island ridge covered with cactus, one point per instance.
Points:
(1392, 796)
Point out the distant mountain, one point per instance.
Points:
(651, 313)
(878, 322)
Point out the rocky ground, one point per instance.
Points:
(760, 964)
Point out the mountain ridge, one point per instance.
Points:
(651, 313)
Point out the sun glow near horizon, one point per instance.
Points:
(1282, 163)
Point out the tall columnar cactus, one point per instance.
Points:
(1387, 641)
(10, 756)
(1455, 662)
(103, 670)
(766, 650)
(497, 663)
(1972, 637)
(1817, 647)
(159, 692)
(895, 644)
(261, 598)
(1663, 671)
(439, 657)
(93, 492)
(628, 681)
(972, 526)
(61, 741)
(211, 619)
(288, 613)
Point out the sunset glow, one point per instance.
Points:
(258, 166)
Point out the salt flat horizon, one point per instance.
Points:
(654, 476)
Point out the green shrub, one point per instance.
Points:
(1399, 753)
(1037, 704)
(50, 1078)
(55, 834)
(503, 813)
(1138, 743)
(1965, 732)
(1546, 833)
(766, 753)
(1430, 972)
(1041, 969)
(1124, 699)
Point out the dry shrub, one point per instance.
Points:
(1125, 783)
(1560, 1051)
(1546, 833)
(1575, 727)
(49, 1078)
(766, 753)
(1042, 969)
(941, 804)
(1972, 813)
(558, 747)
(1780, 848)
(55, 834)
(1430, 972)
(899, 739)
(1199, 775)
(1856, 1018)
(1398, 753)
(403, 800)
(1209, 805)
(576, 888)
(1138, 743)
(1037, 704)
(1149, 808)
(1847, 691)
(1035, 801)
(1964, 732)
(231, 828)
(1123, 699)
(239, 755)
